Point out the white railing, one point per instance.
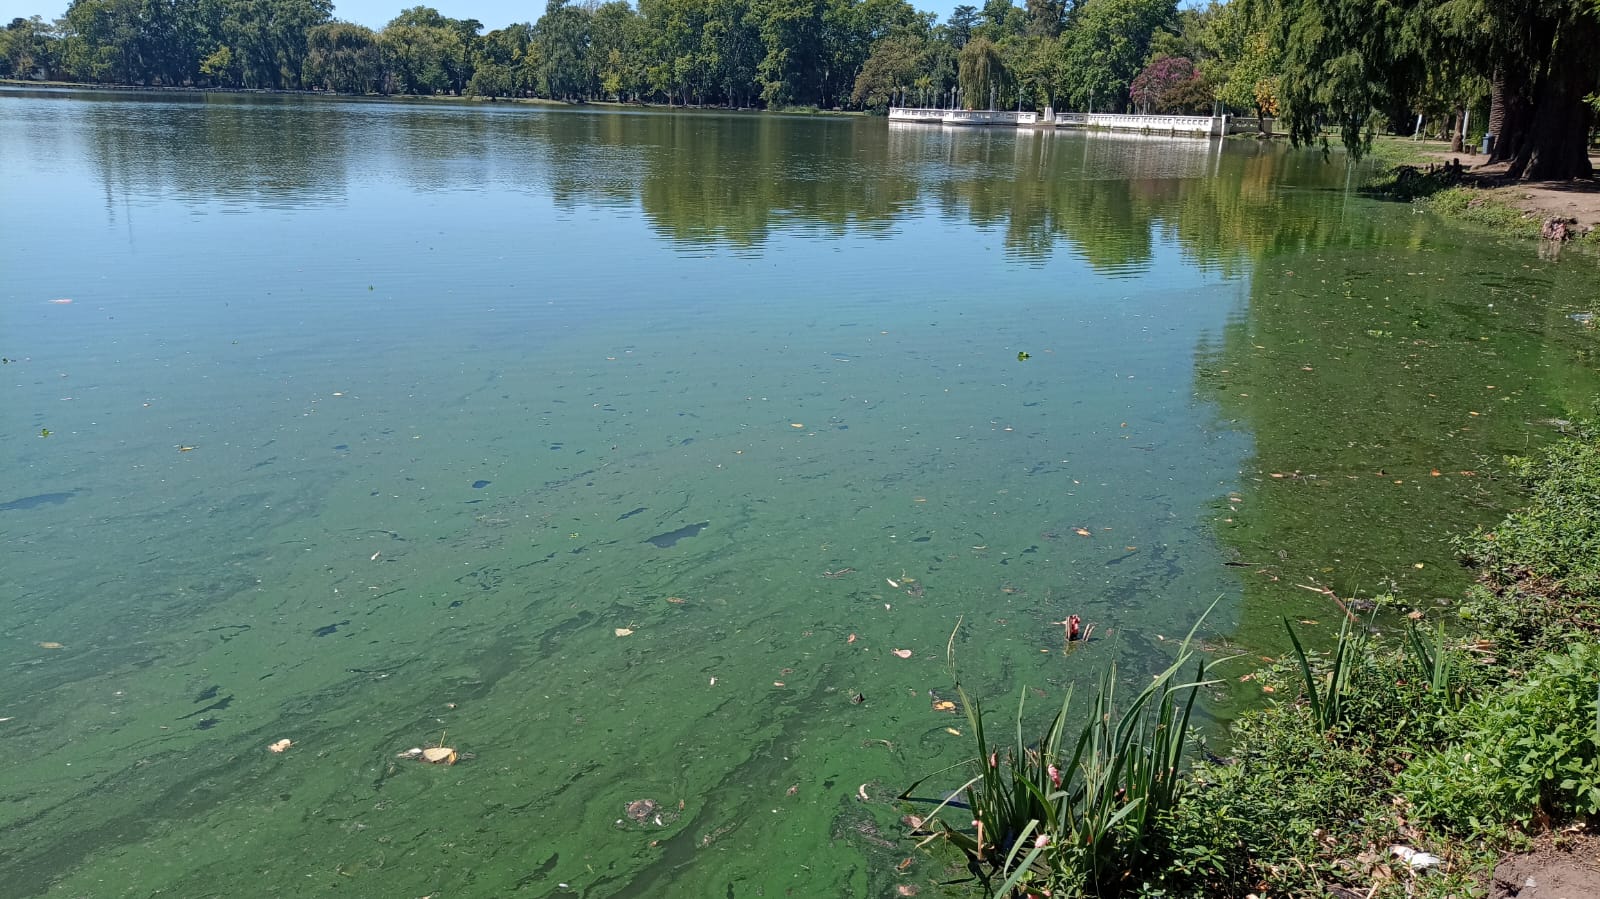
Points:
(917, 114)
(962, 116)
(1147, 124)
(1157, 124)
(988, 117)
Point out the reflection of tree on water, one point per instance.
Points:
(1381, 388)
(711, 179)
(268, 150)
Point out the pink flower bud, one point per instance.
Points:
(1055, 775)
(1041, 841)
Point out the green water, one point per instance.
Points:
(363, 416)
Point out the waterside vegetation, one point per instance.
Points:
(1402, 761)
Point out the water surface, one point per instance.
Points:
(371, 424)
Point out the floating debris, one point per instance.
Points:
(280, 746)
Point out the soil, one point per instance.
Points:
(1559, 866)
(1574, 199)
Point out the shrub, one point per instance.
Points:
(1533, 751)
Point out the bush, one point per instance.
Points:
(1539, 569)
(1279, 816)
(1532, 752)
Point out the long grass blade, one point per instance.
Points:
(1305, 674)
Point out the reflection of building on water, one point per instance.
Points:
(1087, 153)
(1170, 125)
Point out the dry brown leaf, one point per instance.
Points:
(944, 705)
(439, 755)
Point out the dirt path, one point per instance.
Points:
(1574, 199)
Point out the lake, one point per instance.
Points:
(621, 450)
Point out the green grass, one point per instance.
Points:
(1468, 204)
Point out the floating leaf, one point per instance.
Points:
(624, 631)
(1023, 357)
(51, 644)
(902, 653)
(280, 746)
(944, 705)
(440, 755)
(850, 639)
(1082, 532)
(951, 730)
(796, 424)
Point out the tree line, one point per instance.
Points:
(1529, 71)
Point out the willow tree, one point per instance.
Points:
(980, 72)
(1348, 62)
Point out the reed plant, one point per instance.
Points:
(1328, 691)
(1075, 811)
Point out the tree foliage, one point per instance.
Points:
(1354, 65)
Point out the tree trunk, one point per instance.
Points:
(1458, 137)
(1556, 146)
(1497, 107)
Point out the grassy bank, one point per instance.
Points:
(1459, 739)
(1419, 172)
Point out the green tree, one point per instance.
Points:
(894, 66)
(505, 63)
(1348, 63)
(960, 24)
(562, 35)
(422, 59)
(790, 72)
(982, 72)
(29, 46)
(1244, 56)
(1107, 47)
(344, 57)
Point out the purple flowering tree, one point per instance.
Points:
(1162, 79)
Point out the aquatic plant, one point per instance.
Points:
(1079, 811)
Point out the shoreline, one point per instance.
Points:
(431, 98)
(1481, 193)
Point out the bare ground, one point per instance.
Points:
(1564, 865)
(1575, 199)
